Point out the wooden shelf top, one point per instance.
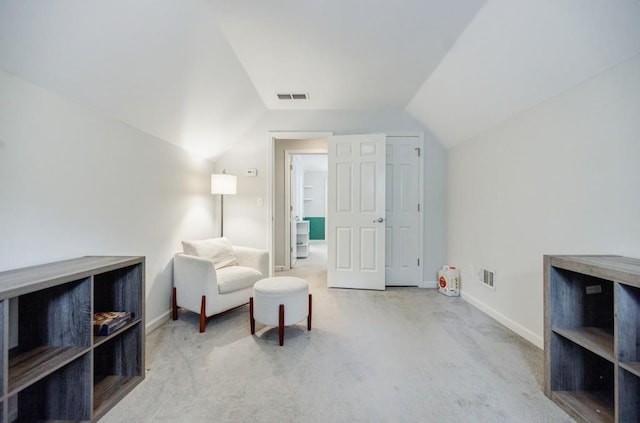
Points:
(35, 364)
(29, 279)
(597, 340)
(614, 268)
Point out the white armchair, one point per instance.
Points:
(200, 287)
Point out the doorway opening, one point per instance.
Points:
(403, 247)
(287, 200)
(308, 201)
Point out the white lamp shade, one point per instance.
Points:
(221, 183)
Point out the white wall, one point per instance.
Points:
(561, 178)
(314, 193)
(246, 223)
(75, 183)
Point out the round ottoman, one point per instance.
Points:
(280, 301)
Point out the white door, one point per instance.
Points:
(403, 211)
(356, 205)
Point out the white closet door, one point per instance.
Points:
(403, 211)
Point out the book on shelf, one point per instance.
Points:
(107, 322)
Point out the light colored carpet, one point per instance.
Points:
(403, 355)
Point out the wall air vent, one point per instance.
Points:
(487, 277)
(292, 96)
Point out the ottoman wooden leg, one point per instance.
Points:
(309, 316)
(252, 321)
(281, 324)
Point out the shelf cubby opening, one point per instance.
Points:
(629, 327)
(628, 396)
(53, 328)
(59, 316)
(117, 368)
(581, 380)
(119, 290)
(64, 395)
(582, 310)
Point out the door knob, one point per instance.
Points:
(380, 220)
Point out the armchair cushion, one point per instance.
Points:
(218, 250)
(234, 278)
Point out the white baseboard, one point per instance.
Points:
(157, 322)
(530, 336)
(427, 284)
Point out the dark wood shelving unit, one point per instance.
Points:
(54, 368)
(592, 336)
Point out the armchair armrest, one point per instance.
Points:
(193, 277)
(253, 257)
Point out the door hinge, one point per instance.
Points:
(418, 262)
(418, 150)
(418, 206)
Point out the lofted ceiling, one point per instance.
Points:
(516, 54)
(199, 73)
(356, 54)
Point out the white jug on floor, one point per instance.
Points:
(449, 281)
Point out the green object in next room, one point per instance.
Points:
(316, 227)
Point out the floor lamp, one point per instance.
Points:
(223, 184)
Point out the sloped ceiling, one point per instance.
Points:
(516, 54)
(162, 66)
(356, 54)
(198, 73)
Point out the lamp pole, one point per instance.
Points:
(221, 215)
(223, 184)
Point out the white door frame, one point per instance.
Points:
(273, 136)
(289, 184)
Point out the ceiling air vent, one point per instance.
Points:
(292, 96)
